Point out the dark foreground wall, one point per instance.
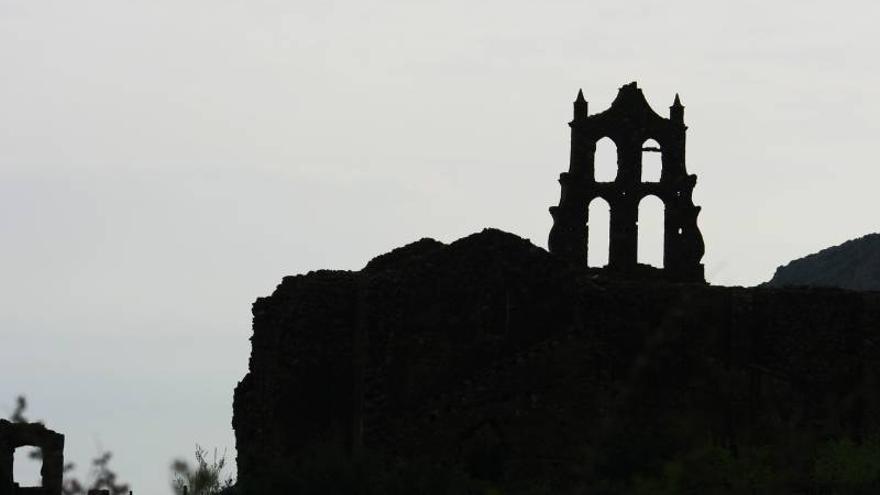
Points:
(490, 348)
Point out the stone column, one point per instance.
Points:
(6, 460)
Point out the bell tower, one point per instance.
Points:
(629, 122)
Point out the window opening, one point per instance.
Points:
(650, 240)
(605, 160)
(27, 463)
(652, 161)
(599, 233)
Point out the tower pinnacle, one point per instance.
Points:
(581, 108)
(676, 111)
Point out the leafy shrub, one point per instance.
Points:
(207, 478)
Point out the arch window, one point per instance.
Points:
(599, 233)
(605, 161)
(652, 161)
(650, 227)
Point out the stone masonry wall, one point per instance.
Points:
(490, 344)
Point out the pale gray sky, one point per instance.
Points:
(163, 163)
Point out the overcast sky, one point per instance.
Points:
(163, 163)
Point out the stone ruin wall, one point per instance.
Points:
(490, 339)
(51, 445)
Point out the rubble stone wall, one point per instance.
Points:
(491, 343)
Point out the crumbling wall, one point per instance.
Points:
(51, 445)
(490, 344)
(299, 386)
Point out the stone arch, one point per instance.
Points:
(651, 220)
(652, 161)
(605, 160)
(598, 232)
(15, 435)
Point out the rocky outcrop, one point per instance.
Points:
(855, 265)
(491, 348)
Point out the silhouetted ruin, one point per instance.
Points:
(490, 346)
(495, 357)
(51, 445)
(629, 123)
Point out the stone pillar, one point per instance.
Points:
(52, 472)
(6, 460)
(624, 234)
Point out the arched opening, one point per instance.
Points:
(605, 161)
(27, 462)
(652, 161)
(599, 233)
(650, 247)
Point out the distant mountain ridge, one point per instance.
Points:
(855, 265)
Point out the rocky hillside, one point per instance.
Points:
(852, 265)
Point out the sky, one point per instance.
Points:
(164, 163)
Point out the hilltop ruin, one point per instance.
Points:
(516, 365)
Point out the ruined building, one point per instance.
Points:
(51, 445)
(498, 358)
(629, 123)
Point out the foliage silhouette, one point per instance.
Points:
(206, 478)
